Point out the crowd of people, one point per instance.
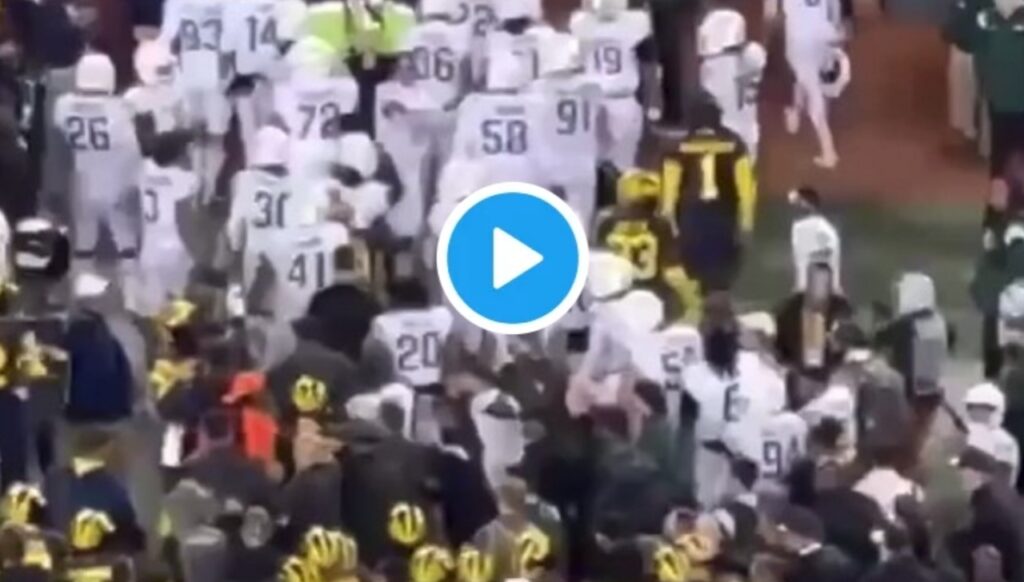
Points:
(263, 333)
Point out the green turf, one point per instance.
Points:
(879, 242)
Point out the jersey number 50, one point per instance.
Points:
(504, 136)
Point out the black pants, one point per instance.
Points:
(667, 17)
(1007, 137)
(13, 438)
(992, 355)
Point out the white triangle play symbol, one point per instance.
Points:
(511, 258)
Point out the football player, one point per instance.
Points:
(164, 261)
(500, 127)
(480, 18)
(986, 405)
(574, 120)
(519, 32)
(194, 30)
(730, 71)
(812, 30)
(726, 395)
(157, 102)
(311, 104)
(251, 40)
(618, 52)
(783, 441)
(634, 230)
(99, 128)
(414, 333)
(415, 112)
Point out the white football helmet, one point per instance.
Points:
(507, 72)
(639, 309)
(290, 16)
(609, 275)
(836, 74)
(608, 8)
(513, 9)
(154, 63)
(754, 56)
(719, 31)
(311, 55)
(95, 73)
(271, 147)
(359, 152)
(560, 53)
(438, 9)
(989, 395)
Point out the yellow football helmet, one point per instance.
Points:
(330, 549)
(309, 395)
(698, 548)
(533, 547)
(20, 503)
(177, 313)
(636, 185)
(296, 569)
(670, 565)
(431, 563)
(89, 528)
(474, 565)
(407, 525)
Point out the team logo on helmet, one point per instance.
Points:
(330, 549)
(474, 565)
(636, 185)
(407, 525)
(697, 548)
(309, 395)
(836, 73)
(533, 547)
(296, 569)
(89, 529)
(670, 565)
(431, 563)
(21, 503)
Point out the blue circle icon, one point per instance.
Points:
(512, 258)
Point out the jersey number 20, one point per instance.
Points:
(419, 352)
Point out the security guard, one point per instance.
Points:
(633, 230)
(709, 193)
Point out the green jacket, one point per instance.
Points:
(997, 44)
(995, 270)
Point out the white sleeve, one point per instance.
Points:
(169, 26)
(236, 221)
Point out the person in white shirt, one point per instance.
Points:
(813, 239)
(194, 29)
(616, 45)
(99, 128)
(986, 404)
(812, 31)
(575, 120)
(415, 116)
(519, 32)
(730, 71)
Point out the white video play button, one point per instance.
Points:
(511, 258)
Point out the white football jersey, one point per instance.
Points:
(416, 339)
(501, 130)
(609, 48)
(100, 130)
(571, 109)
(196, 29)
(742, 400)
(303, 263)
(734, 82)
(525, 46)
(310, 105)
(783, 441)
(163, 102)
(250, 35)
(161, 189)
(438, 53)
(811, 21)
